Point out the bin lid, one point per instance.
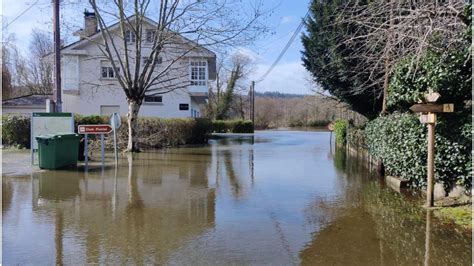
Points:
(63, 135)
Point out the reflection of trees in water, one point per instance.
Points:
(377, 225)
(230, 173)
(402, 226)
(7, 194)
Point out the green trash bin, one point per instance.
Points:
(57, 150)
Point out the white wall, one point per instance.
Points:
(23, 110)
(93, 91)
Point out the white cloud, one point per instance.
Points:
(290, 77)
(287, 19)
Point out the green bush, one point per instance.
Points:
(448, 73)
(232, 126)
(400, 141)
(242, 126)
(153, 132)
(16, 130)
(340, 130)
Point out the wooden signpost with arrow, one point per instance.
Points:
(428, 112)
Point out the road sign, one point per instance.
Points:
(115, 121)
(428, 118)
(433, 108)
(94, 129)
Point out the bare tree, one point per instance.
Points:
(229, 84)
(181, 28)
(41, 69)
(385, 31)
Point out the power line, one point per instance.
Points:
(22, 13)
(288, 44)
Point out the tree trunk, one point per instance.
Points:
(132, 119)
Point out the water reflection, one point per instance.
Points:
(381, 228)
(275, 199)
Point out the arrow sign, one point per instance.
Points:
(433, 108)
(428, 118)
(94, 129)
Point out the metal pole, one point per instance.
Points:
(57, 57)
(115, 143)
(431, 140)
(102, 147)
(85, 149)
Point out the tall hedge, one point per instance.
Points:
(153, 132)
(400, 141)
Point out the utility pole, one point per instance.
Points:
(252, 103)
(57, 58)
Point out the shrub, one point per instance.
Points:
(232, 126)
(399, 140)
(153, 132)
(340, 130)
(242, 126)
(16, 130)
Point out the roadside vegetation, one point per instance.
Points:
(381, 66)
(154, 132)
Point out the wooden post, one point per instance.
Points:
(428, 112)
(430, 185)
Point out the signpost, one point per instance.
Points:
(101, 130)
(428, 112)
(115, 122)
(94, 130)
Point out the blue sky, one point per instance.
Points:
(288, 76)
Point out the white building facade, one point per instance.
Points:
(90, 86)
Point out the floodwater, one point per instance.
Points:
(280, 198)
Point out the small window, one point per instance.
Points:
(150, 36)
(129, 36)
(159, 60)
(183, 106)
(153, 99)
(198, 73)
(109, 73)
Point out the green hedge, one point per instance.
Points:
(16, 130)
(232, 126)
(153, 132)
(340, 130)
(400, 141)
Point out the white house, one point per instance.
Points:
(89, 84)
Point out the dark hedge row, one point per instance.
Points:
(232, 126)
(153, 132)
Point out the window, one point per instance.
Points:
(159, 60)
(183, 106)
(198, 73)
(129, 36)
(109, 109)
(153, 99)
(109, 73)
(150, 36)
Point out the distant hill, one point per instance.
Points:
(279, 95)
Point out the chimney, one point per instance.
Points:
(90, 24)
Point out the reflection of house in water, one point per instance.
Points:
(141, 216)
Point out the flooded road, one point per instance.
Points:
(280, 198)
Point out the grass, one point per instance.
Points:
(460, 215)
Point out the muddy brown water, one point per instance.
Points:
(280, 198)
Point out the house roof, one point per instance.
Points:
(28, 100)
(98, 34)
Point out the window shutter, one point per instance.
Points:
(70, 75)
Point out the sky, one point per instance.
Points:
(289, 76)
